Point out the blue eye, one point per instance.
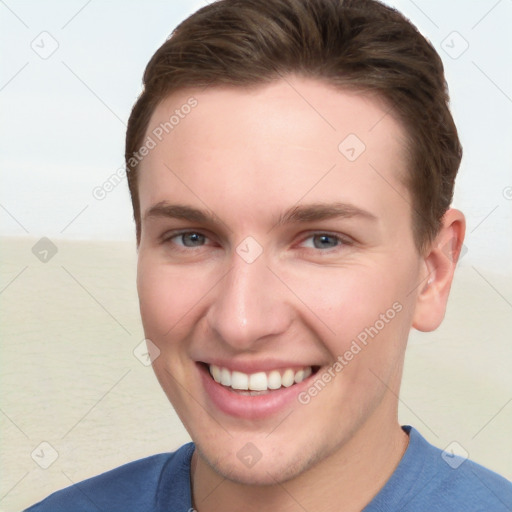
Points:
(194, 239)
(189, 239)
(324, 241)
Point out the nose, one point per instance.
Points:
(249, 306)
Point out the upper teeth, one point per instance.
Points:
(259, 381)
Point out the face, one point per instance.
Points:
(277, 271)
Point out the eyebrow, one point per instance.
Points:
(298, 214)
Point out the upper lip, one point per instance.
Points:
(250, 367)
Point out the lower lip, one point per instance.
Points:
(246, 406)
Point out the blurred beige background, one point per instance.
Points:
(69, 376)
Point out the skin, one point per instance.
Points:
(246, 156)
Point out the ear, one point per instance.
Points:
(439, 262)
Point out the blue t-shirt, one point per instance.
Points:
(426, 480)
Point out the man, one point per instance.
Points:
(291, 165)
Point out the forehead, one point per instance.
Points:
(253, 149)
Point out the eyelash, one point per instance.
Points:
(342, 241)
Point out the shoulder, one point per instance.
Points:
(481, 486)
(451, 482)
(471, 484)
(137, 486)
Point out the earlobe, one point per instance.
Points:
(439, 265)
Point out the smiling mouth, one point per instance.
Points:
(259, 383)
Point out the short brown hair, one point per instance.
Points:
(351, 44)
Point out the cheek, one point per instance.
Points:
(346, 298)
(168, 297)
(365, 305)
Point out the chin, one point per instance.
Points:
(276, 466)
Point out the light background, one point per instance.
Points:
(69, 326)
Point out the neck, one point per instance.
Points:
(347, 479)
